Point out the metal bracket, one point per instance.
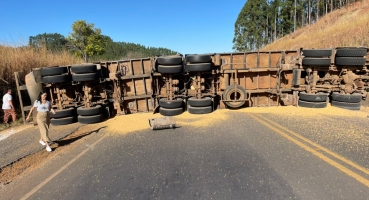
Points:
(124, 70)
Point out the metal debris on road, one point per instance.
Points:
(162, 123)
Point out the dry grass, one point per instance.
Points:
(17, 123)
(16, 58)
(348, 26)
(23, 59)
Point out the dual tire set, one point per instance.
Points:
(199, 63)
(81, 73)
(343, 57)
(346, 101)
(170, 65)
(194, 106)
(84, 115)
(174, 65)
(319, 100)
(60, 74)
(76, 73)
(89, 115)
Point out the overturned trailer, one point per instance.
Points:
(200, 84)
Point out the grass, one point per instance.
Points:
(22, 59)
(18, 122)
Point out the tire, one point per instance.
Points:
(51, 71)
(83, 69)
(317, 52)
(89, 119)
(199, 110)
(193, 58)
(198, 67)
(351, 52)
(89, 111)
(164, 103)
(194, 102)
(349, 98)
(347, 106)
(351, 61)
(62, 121)
(172, 69)
(316, 61)
(84, 77)
(228, 93)
(169, 60)
(307, 104)
(170, 112)
(313, 97)
(62, 113)
(56, 79)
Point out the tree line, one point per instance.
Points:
(87, 42)
(261, 22)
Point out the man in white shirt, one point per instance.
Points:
(8, 106)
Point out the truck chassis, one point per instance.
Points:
(202, 83)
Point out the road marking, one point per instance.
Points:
(60, 170)
(318, 147)
(5, 135)
(314, 152)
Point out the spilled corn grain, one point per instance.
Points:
(308, 112)
(137, 122)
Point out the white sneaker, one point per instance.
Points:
(42, 143)
(48, 149)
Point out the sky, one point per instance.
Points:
(185, 26)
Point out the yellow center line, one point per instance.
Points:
(363, 169)
(314, 152)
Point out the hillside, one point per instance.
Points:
(348, 26)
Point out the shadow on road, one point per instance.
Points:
(71, 139)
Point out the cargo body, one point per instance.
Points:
(200, 84)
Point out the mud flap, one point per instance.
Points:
(162, 123)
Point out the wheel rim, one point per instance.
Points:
(235, 95)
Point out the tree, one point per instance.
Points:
(251, 28)
(86, 40)
(123, 50)
(52, 41)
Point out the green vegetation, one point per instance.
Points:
(88, 43)
(86, 40)
(124, 50)
(52, 41)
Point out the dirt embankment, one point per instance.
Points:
(348, 26)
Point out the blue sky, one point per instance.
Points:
(188, 26)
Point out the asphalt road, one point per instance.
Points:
(249, 157)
